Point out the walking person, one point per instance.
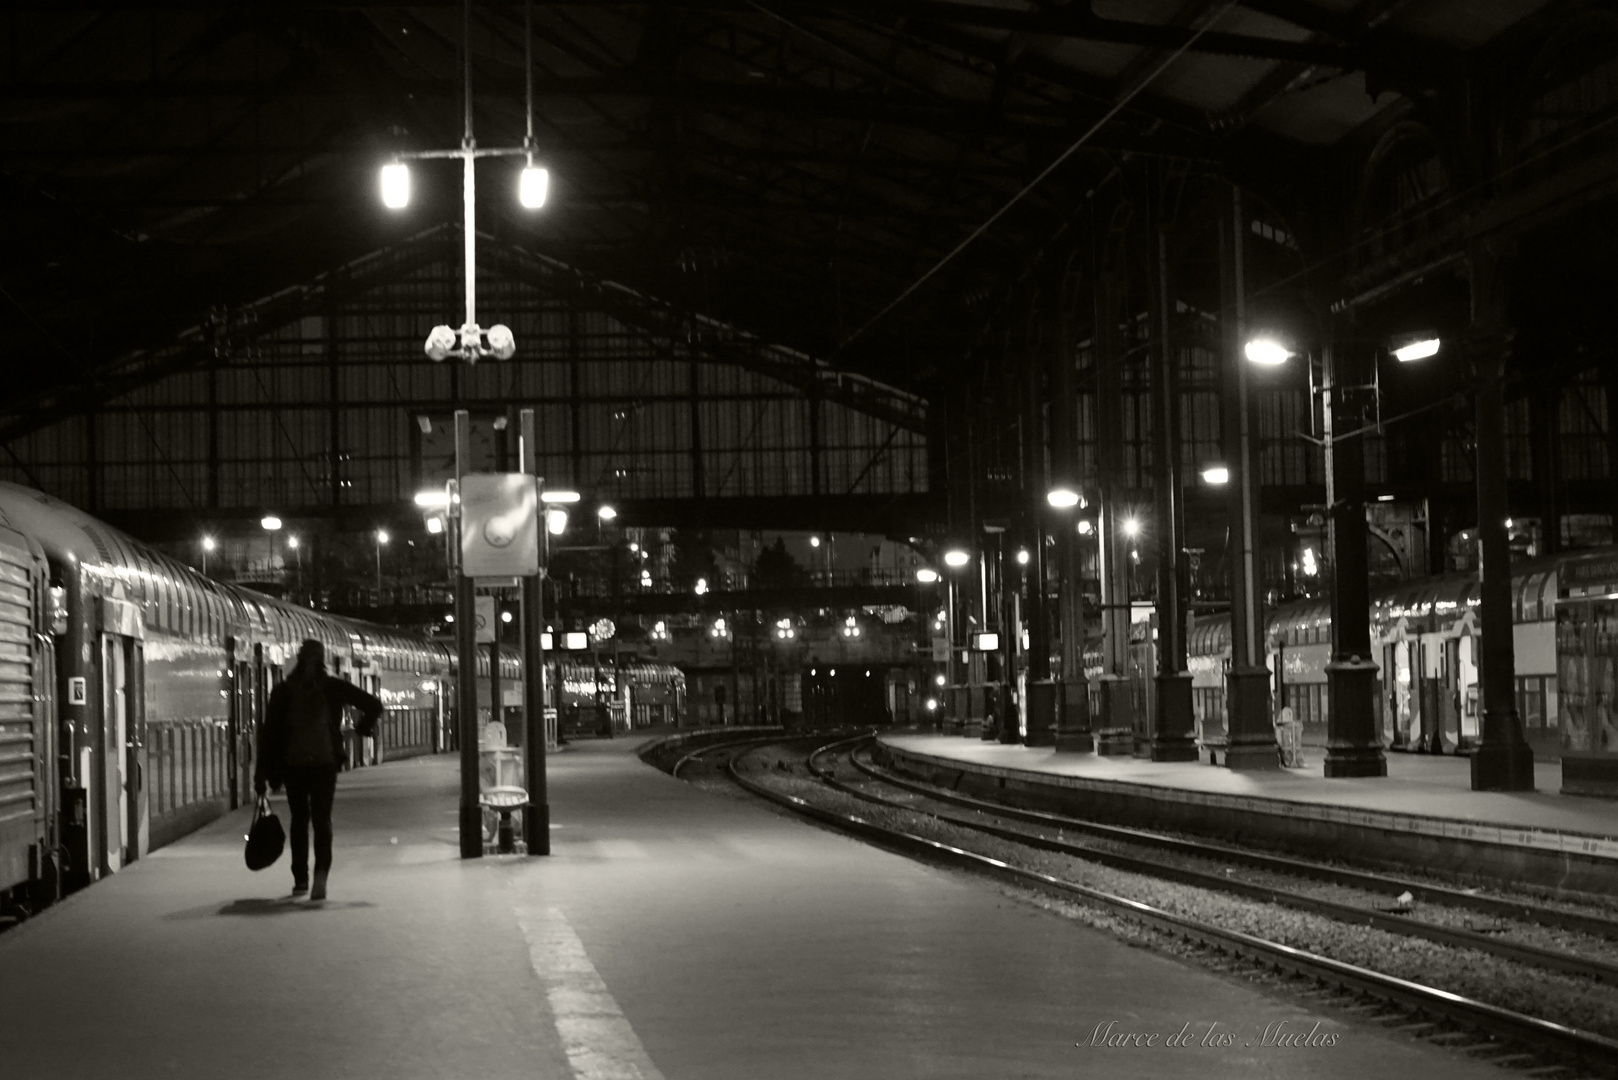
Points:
(301, 747)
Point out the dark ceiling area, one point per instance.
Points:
(864, 182)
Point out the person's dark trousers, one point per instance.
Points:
(310, 789)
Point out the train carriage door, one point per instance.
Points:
(122, 821)
(114, 738)
(138, 807)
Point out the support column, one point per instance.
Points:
(466, 662)
(1353, 740)
(1042, 689)
(536, 822)
(1073, 734)
(1172, 736)
(1503, 760)
(1250, 740)
(1117, 701)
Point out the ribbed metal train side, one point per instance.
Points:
(24, 727)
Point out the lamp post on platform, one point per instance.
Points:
(472, 343)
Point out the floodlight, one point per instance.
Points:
(926, 575)
(1216, 474)
(208, 543)
(606, 513)
(382, 536)
(1085, 528)
(956, 557)
(1131, 527)
(1267, 352)
(432, 498)
(560, 497)
(556, 521)
(270, 523)
(502, 343)
(435, 525)
(1416, 350)
(1063, 498)
(440, 342)
(1022, 557)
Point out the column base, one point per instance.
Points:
(1353, 743)
(1251, 745)
(1073, 734)
(1356, 761)
(1009, 720)
(1041, 713)
(1172, 731)
(1503, 767)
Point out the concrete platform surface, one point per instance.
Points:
(673, 934)
(1426, 791)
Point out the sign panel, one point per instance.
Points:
(986, 642)
(483, 620)
(76, 691)
(499, 525)
(940, 650)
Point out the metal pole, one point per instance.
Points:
(1502, 760)
(1251, 738)
(468, 179)
(1172, 738)
(466, 691)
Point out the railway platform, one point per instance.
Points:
(673, 933)
(1423, 813)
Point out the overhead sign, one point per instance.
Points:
(499, 525)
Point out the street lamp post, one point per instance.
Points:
(471, 343)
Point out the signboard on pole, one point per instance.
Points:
(940, 650)
(484, 622)
(499, 525)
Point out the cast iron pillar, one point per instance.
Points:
(1040, 706)
(1073, 702)
(1117, 701)
(1250, 742)
(1172, 735)
(1503, 760)
(1353, 741)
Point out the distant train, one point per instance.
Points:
(131, 689)
(1425, 642)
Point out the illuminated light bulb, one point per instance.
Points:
(1216, 474)
(926, 575)
(956, 557)
(533, 186)
(396, 186)
(1063, 498)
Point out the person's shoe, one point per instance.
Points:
(299, 888)
(318, 891)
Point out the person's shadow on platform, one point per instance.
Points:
(258, 905)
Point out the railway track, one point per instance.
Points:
(1506, 1037)
(1400, 919)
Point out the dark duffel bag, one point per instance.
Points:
(266, 838)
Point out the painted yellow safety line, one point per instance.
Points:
(596, 1036)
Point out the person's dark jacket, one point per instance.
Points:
(272, 738)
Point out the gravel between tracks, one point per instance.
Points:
(1564, 999)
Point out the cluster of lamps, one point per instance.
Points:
(851, 627)
(784, 630)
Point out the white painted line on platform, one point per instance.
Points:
(596, 1036)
